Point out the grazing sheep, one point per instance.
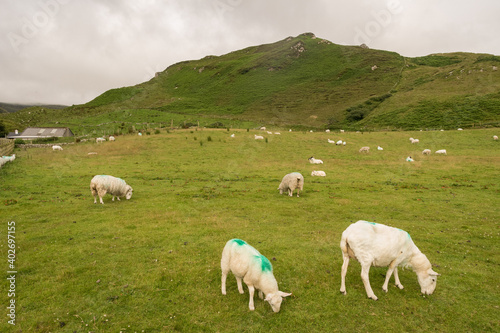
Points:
(426, 152)
(102, 184)
(367, 149)
(374, 244)
(258, 137)
(380, 148)
(256, 271)
(338, 143)
(98, 140)
(313, 160)
(331, 141)
(495, 137)
(290, 182)
(327, 131)
(232, 135)
(318, 173)
(415, 141)
(343, 143)
(268, 132)
(111, 138)
(441, 151)
(277, 133)
(341, 131)
(55, 147)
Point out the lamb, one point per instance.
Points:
(258, 137)
(374, 244)
(313, 160)
(426, 152)
(56, 147)
(318, 173)
(290, 182)
(256, 271)
(367, 149)
(441, 151)
(111, 138)
(117, 187)
(100, 140)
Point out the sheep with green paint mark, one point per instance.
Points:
(254, 269)
(374, 244)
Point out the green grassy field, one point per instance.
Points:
(152, 263)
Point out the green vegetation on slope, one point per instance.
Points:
(309, 81)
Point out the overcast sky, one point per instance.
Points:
(70, 51)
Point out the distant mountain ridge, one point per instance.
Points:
(10, 107)
(312, 82)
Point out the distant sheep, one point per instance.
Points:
(102, 184)
(268, 132)
(277, 133)
(6, 159)
(441, 151)
(495, 137)
(374, 244)
(258, 137)
(247, 264)
(111, 138)
(409, 159)
(56, 147)
(318, 173)
(327, 131)
(426, 152)
(331, 141)
(367, 149)
(232, 135)
(291, 182)
(313, 160)
(341, 131)
(98, 140)
(415, 141)
(339, 143)
(380, 148)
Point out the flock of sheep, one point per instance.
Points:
(372, 244)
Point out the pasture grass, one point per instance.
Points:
(152, 263)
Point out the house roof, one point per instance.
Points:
(42, 132)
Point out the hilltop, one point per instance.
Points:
(303, 81)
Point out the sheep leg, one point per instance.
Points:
(261, 295)
(251, 290)
(118, 198)
(396, 278)
(223, 282)
(343, 273)
(298, 191)
(365, 276)
(391, 269)
(101, 193)
(240, 286)
(290, 192)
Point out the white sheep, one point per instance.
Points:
(111, 138)
(409, 159)
(232, 135)
(56, 147)
(341, 131)
(277, 133)
(441, 151)
(318, 173)
(374, 244)
(495, 137)
(254, 269)
(343, 143)
(426, 152)
(100, 140)
(117, 187)
(362, 149)
(313, 160)
(268, 132)
(327, 131)
(6, 159)
(380, 148)
(290, 182)
(338, 143)
(331, 141)
(258, 137)
(415, 141)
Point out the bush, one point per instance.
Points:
(157, 131)
(209, 138)
(18, 141)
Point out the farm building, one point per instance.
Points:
(32, 133)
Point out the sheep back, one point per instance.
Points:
(112, 185)
(290, 182)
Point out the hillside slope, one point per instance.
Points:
(311, 82)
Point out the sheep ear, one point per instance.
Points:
(434, 273)
(282, 294)
(268, 297)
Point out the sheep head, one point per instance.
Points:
(128, 194)
(427, 278)
(275, 299)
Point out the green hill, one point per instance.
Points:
(304, 81)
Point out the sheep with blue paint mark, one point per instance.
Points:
(117, 187)
(254, 269)
(374, 244)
